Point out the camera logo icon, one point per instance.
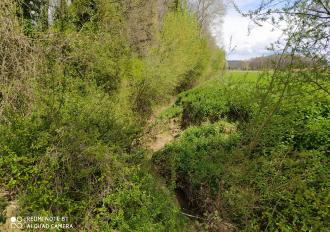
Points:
(16, 222)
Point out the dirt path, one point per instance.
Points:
(163, 137)
(158, 133)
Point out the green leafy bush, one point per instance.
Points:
(216, 100)
(280, 186)
(285, 191)
(72, 150)
(68, 159)
(297, 196)
(138, 203)
(194, 164)
(178, 58)
(302, 122)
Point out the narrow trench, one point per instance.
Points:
(160, 139)
(191, 212)
(182, 200)
(184, 203)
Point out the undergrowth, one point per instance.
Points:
(281, 185)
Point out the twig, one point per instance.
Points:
(192, 216)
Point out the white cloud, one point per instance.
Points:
(235, 33)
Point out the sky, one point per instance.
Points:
(233, 34)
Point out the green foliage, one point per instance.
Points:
(194, 163)
(138, 204)
(303, 124)
(84, 13)
(3, 205)
(102, 59)
(218, 60)
(52, 150)
(177, 59)
(215, 100)
(180, 53)
(297, 196)
(64, 159)
(282, 191)
(68, 147)
(281, 186)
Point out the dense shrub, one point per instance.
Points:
(297, 197)
(302, 122)
(61, 146)
(71, 161)
(139, 204)
(177, 59)
(216, 100)
(20, 61)
(68, 131)
(194, 164)
(282, 185)
(285, 191)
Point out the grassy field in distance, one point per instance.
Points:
(242, 75)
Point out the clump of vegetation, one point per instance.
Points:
(194, 164)
(138, 204)
(79, 82)
(281, 185)
(215, 100)
(300, 122)
(69, 127)
(19, 61)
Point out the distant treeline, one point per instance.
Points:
(268, 62)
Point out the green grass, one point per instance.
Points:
(238, 75)
(226, 97)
